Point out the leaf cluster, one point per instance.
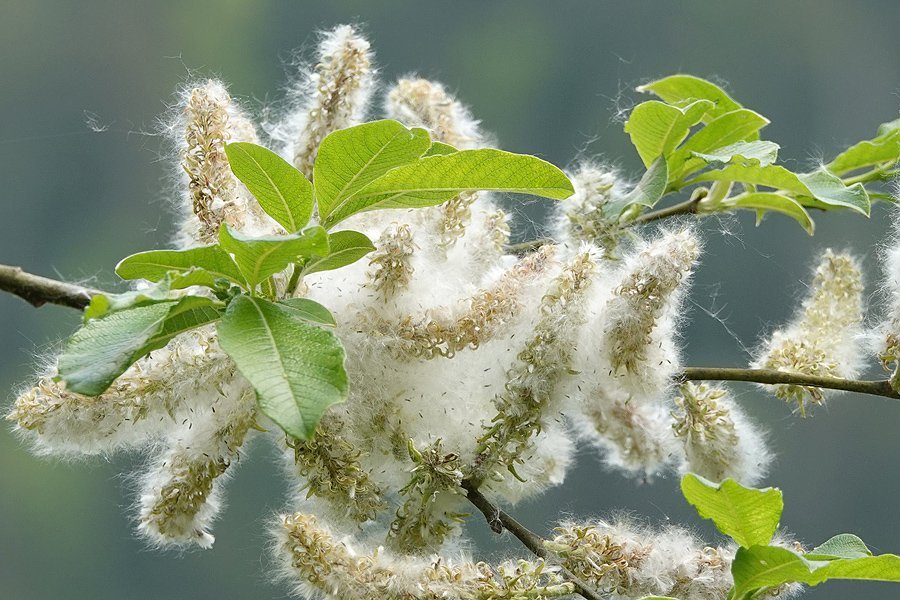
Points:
(284, 345)
(698, 140)
(751, 517)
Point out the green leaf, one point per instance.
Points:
(435, 179)
(826, 189)
(162, 291)
(296, 368)
(682, 89)
(282, 191)
(843, 545)
(258, 258)
(762, 567)
(347, 247)
(309, 310)
(754, 153)
(104, 348)
(350, 159)
(769, 201)
(649, 189)
(750, 516)
(206, 263)
(774, 176)
(885, 148)
(440, 148)
(189, 313)
(831, 191)
(731, 127)
(657, 128)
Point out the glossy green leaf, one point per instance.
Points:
(206, 263)
(830, 190)
(436, 179)
(650, 188)
(657, 128)
(309, 310)
(885, 148)
(282, 191)
(259, 257)
(104, 348)
(764, 202)
(350, 159)
(731, 127)
(761, 567)
(843, 545)
(824, 189)
(774, 176)
(346, 247)
(761, 153)
(296, 368)
(749, 516)
(683, 89)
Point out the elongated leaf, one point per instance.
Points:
(189, 313)
(296, 368)
(731, 127)
(309, 310)
(830, 190)
(104, 348)
(350, 159)
(154, 265)
(436, 179)
(681, 89)
(885, 148)
(258, 258)
(650, 188)
(750, 516)
(769, 201)
(774, 176)
(826, 189)
(753, 153)
(346, 247)
(761, 567)
(843, 545)
(282, 191)
(657, 128)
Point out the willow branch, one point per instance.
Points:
(880, 387)
(37, 290)
(688, 207)
(499, 520)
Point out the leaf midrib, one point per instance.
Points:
(287, 208)
(338, 205)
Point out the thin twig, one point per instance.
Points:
(37, 290)
(499, 520)
(688, 207)
(880, 387)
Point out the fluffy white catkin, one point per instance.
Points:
(464, 363)
(826, 334)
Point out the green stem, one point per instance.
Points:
(294, 282)
(877, 174)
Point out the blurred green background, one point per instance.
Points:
(547, 78)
